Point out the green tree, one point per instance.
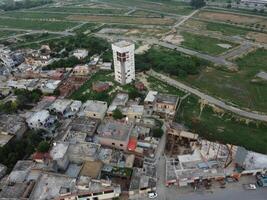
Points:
(157, 132)
(43, 147)
(117, 114)
(197, 3)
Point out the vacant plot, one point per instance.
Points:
(204, 44)
(36, 25)
(142, 13)
(174, 7)
(223, 127)
(238, 87)
(123, 19)
(86, 28)
(35, 15)
(85, 92)
(82, 10)
(233, 18)
(225, 29)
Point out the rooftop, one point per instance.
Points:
(50, 186)
(114, 130)
(59, 150)
(151, 96)
(123, 43)
(91, 169)
(94, 106)
(169, 99)
(84, 124)
(40, 116)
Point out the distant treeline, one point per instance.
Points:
(15, 5)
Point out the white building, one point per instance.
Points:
(41, 120)
(124, 66)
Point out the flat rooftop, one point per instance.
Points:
(84, 124)
(95, 106)
(49, 186)
(165, 98)
(151, 96)
(114, 130)
(59, 150)
(91, 169)
(122, 43)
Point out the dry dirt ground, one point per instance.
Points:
(234, 18)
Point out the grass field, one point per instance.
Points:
(123, 19)
(35, 15)
(82, 10)
(4, 33)
(173, 7)
(226, 29)
(36, 25)
(86, 27)
(236, 87)
(204, 44)
(223, 128)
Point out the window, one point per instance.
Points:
(122, 57)
(121, 145)
(113, 143)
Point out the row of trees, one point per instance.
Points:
(14, 5)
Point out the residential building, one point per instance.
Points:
(41, 120)
(120, 100)
(81, 70)
(59, 154)
(124, 63)
(65, 107)
(114, 134)
(12, 125)
(100, 86)
(80, 53)
(94, 109)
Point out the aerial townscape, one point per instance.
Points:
(133, 99)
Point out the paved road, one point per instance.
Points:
(238, 51)
(210, 99)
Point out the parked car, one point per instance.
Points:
(250, 186)
(152, 195)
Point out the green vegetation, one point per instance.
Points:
(14, 5)
(170, 62)
(93, 44)
(23, 100)
(86, 27)
(197, 3)
(4, 33)
(117, 114)
(170, 6)
(157, 132)
(204, 44)
(35, 15)
(36, 25)
(83, 10)
(227, 29)
(43, 147)
(224, 127)
(254, 60)
(85, 92)
(19, 149)
(63, 63)
(155, 84)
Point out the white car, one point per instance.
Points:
(152, 195)
(250, 186)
